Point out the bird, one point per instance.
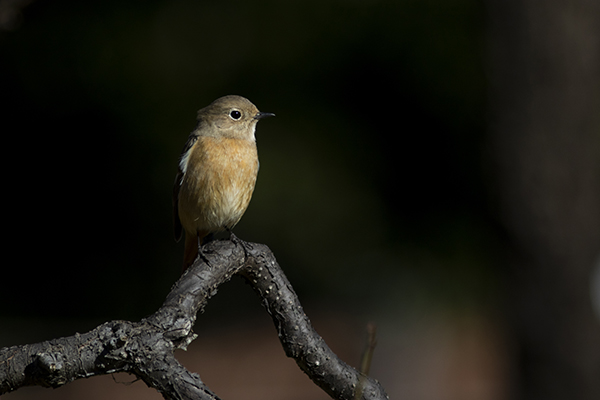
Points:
(217, 172)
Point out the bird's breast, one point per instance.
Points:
(218, 183)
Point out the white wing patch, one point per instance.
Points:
(183, 162)
(185, 156)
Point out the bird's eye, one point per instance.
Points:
(235, 114)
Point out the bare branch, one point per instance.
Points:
(146, 348)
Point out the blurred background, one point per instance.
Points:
(434, 167)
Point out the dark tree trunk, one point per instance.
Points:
(544, 70)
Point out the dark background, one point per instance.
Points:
(431, 158)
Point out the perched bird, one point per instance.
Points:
(217, 172)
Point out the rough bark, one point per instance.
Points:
(146, 348)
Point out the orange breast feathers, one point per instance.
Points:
(217, 185)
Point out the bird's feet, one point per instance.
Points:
(237, 241)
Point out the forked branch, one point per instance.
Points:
(146, 348)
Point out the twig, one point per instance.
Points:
(367, 357)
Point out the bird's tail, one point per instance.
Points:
(192, 243)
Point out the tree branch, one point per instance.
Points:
(146, 348)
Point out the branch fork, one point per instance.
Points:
(146, 348)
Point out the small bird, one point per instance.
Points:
(217, 172)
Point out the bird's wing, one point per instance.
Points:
(176, 222)
(183, 160)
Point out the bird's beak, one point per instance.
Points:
(261, 115)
